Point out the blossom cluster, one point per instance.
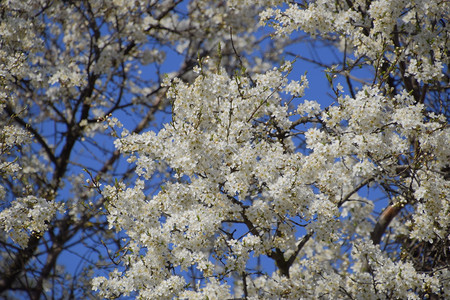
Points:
(401, 30)
(28, 216)
(233, 162)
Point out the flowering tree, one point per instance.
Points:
(240, 189)
(246, 172)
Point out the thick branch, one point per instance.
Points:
(383, 222)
